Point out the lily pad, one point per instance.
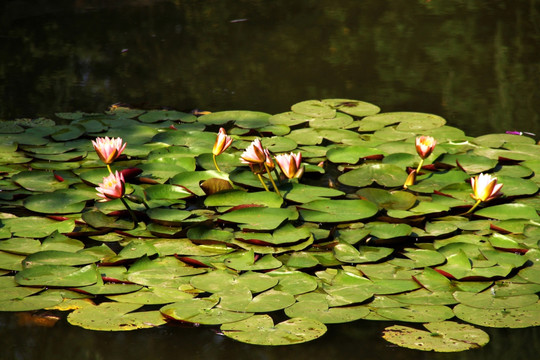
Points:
(111, 316)
(260, 330)
(446, 336)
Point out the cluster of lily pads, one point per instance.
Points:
(183, 227)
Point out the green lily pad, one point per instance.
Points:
(202, 311)
(33, 302)
(509, 211)
(446, 336)
(319, 310)
(238, 197)
(111, 316)
(500, 318)
(314, 108)
(337, 210)
(486, 300)
(57, 275)
(383, 174)
(351, 154)
(303, 193)
(259, 218)
(260, 330)
(349, 254)
(353, 107)
(417, 313)
(38, 181)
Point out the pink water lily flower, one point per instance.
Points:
(290, 165)
(485, 187)
(113, 187)
(254, 154)
(108, 149)
(425, 146)
(222, 142)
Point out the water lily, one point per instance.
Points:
(290, 165)
(254, 154)
(257, 157)
(108, 149)
(113, 187)
(223, 141)
(484, 188)
(424, 148)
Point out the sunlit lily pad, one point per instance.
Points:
(202, 311)
(337, 210)
(383, 174)
(500, 318)
(111, 316)
(260, 330)
(446, 336)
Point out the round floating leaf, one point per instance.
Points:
(398, 200)
(38, 181)
(202, 311)
(315, 108)
(351, 154)
(289, 118)
(259, 218)
(302, 193)
(337, 210)
(57, 275)
(353, 107)
(68, 132)
(446, 336)
(58, 202)
(279, 144)
(270, 300)
(55, 257)
(34, 226)
(166, 192)
(239, 197)
(514, 186)
(486, 300)
(320, 311)
(500, 318)
(349, 254)
(110, 316)
(383, 174)
(153, 116)
(340, 121)
(509, 211)
(241, 118)
(295, 283)
(29, 303)
(417, 313)
(388, 231)
(22, 246)
(260, 330)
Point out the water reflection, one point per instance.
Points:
(473, 62)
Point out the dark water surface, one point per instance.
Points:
(474, 62)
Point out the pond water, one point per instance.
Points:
(473, 62)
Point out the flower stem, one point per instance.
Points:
(420, 166)
(133, 217)
(271, 179)
(215, 163)
(262, 182)
(109, 168)
(474, 207)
